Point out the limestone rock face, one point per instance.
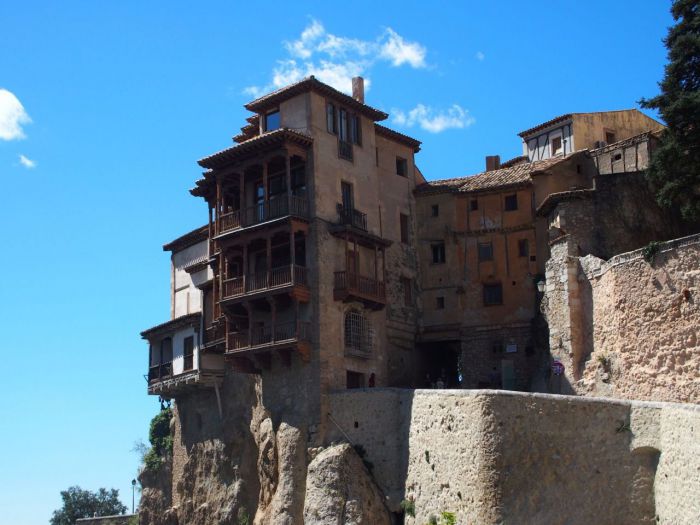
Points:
(340, 491)
(156, 496)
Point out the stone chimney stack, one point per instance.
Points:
(493, 162)
(358, 89)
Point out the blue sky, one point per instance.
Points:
(105, 108)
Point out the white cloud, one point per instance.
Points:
(12, 116)
(480, 56)
(398, 51)
(336, 59)
(434, 121)
(26, 162)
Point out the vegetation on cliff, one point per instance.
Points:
(79, 503)
(675, 167)
(161, 440)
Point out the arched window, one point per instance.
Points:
(358, 333)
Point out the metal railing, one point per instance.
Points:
(273, 208)
(352, 217)
(281, 276)
(269, 335)
(360, 285)
(345, 149)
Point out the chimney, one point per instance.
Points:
(493, 162)
(358, 89)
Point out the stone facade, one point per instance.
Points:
(627, 327)
(507, 457)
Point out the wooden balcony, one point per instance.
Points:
(352, 217)
(351, 286)
(162, 382)
(160, 372)
(281, 336)
(214, 334)
(274, 208)
(291, 276)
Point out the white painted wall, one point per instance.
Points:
(186, 296)
(538, 146)
(179, 349)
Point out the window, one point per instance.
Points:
(376, 156)
(407, 291)
(358, 333)
(435, 210)
(403, 220)
(609, 136)
(523, 248)
(347, 196)
(354, 379)
(493, 294)
(401, 167)
(556, 145)
(440, 303)
(355, 130)
(511, 203)
(331, 119)
(343, 124)
(272, 121)
(474, 205)
(485, 251)
(438, 252)
(188, 352)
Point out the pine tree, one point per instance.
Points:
(675, 168)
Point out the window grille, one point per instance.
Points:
(358, 333)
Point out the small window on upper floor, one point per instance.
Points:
(272, 120)
(557, 146)
(331, 119)
(485, 251)
(511, 202)
(438, 250)
(407, 286)
(435, 210)
(474, 205)
(439, 303)
(401, 167)
(403, 222)
(523, 248)
(610, 136)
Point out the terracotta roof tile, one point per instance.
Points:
(399, 137)
(514, 175)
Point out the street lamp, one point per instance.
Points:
(540, 285)
(133, 489)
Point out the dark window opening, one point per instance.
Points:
(438, 253)
(556, 146)
(272, 121)
(523, 248)
(485, 251)
(401, 167)
(188, 352)
(610, 137)
(474, 205)
(407, 291)
(493, 294)
(331, 119)
(403, 220)
(440, 303)
(376, 156)
(354, 379)
(511, 202)
(355, 130)
(435, 210)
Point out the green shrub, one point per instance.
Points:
(650, 251)
(409, 507)
(161, 440)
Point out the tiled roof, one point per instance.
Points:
(398, 137)
(517, 174)
(555, 120)
(172, 325)
(252, 145)
(312, 84)
(189, 239)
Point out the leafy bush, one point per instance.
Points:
(79, 503)
(161, 440)
(409, 507)
(651, 250)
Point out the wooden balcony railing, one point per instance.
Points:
(281, 276)
(352, 217)
(214, 333)
(269, 335)
(160, 372)
(359, 285)
(274, 208)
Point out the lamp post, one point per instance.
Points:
(133, 489)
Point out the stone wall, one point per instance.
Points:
(507, 457)
(628, 327)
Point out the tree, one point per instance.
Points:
(675, 168)
(79, 503)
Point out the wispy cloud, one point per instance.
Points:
(480, 56)
(335, 59)
(12, 116)
(432, 120)
(27, 162)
